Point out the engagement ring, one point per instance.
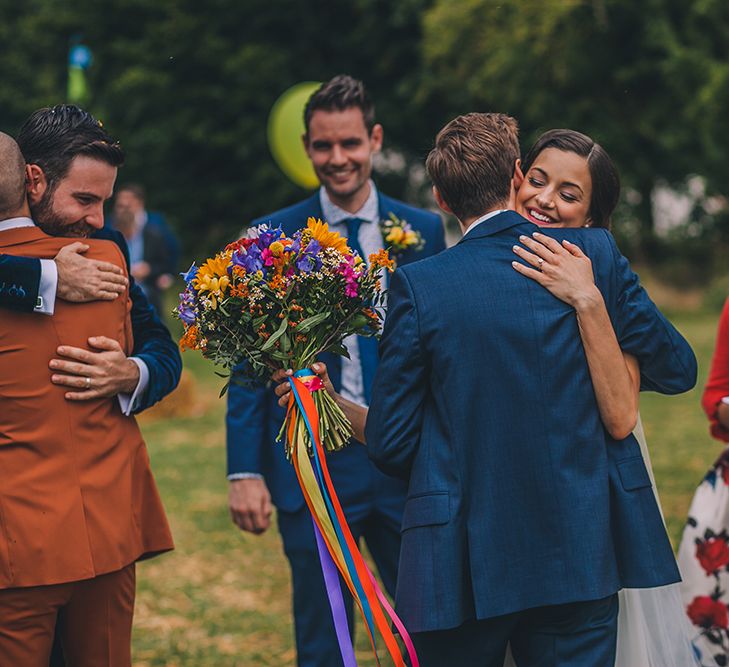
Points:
(88, 383)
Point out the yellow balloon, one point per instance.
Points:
(285, 127)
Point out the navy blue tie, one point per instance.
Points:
(367, 346)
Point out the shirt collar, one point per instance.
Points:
(483, 218)
(370, 211)
(14, 223)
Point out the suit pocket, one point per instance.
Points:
(633, 474)
(428, 510)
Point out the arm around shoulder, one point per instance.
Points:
(667, 362)
(19, 282)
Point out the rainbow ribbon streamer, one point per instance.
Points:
(337, 547)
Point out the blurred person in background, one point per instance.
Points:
(703, 554)
(153, 246)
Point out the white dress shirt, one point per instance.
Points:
(370, 240)
(483, 218)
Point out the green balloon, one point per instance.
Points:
(285, 128)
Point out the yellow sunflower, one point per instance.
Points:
(320, 231)
(213, 277)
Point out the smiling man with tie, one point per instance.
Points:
(341, 139)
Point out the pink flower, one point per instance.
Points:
(267, 257)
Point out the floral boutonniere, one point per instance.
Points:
(399, 236)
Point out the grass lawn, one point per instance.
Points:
(222, 598)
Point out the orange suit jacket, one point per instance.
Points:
(77, 496)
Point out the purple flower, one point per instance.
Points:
(309, 260)
(268, 236)
(186, 307)
(249, 259)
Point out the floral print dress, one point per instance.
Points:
(703, 558)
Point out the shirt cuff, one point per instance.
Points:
(127, 403)
(243, 475)
(47, 287)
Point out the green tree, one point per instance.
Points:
(636, 76)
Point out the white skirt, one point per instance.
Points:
(653, 629)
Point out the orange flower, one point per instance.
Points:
(320, 231)
(381, 260)
(190, 339)
(240, 291)
(276, 282)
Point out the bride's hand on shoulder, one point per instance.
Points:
(562, 268)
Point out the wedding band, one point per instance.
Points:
(88, 383)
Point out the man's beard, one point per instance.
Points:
(45, 216)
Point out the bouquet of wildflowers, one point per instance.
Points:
(269, 301)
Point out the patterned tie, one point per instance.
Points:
(367, 346)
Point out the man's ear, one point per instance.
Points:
(518, 177)
(376, 138)
(441, 202)
(36, 182)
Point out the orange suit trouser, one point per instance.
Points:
(94, 618)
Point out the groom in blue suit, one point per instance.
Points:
(520, 510)
(341, 138)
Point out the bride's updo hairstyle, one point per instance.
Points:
(605, 177)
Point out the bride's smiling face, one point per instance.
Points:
(556, 191)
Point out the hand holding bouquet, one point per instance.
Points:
(270, 301)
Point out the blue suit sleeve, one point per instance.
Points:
(153, 343)
(667, 362)
(401, 381)
(19, 282)
(245, 420)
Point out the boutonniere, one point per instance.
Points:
(399, 236)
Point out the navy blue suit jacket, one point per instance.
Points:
(483, 401)
(254, 417)
(152, 341)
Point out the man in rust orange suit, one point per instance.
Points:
(78, 503)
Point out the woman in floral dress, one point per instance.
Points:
(704, 552)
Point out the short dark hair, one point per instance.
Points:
(340, 93)
(53, 136)
(135, 188)
(473, 162)
(604, 175)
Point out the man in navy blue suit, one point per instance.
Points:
(513, 529)
(341, 139)
(51, 140)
